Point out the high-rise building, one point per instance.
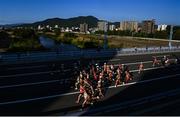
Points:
(84, 27)
(103, 26)
(129, 25)
(148, 26)
(162, 27)
(112, 27)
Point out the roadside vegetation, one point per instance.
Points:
(18, 40)
(26, 39)
(96, 41)
(79, 40)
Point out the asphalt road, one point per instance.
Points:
(39, 88)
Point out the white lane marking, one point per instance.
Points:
(40, 98)
(162, 56)
(38, 73)
(114, 59)
(73, 93)
(34, 73)
(144, 81)
(128, 63)
(147, 69)
(29, 74)
(27, 67)
(135, 63)
(51, 81)
(142, 62)
(138, 63)
(27, 84)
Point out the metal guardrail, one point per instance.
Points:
(68, 55)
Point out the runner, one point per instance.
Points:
(81, 90)
(105, 67)
(110, 76)
(141, 67)
(167, 62)
(77, 83)
(155, 61)
(118, 78)
(86, 97)
(128, 76)
(88, 84)
(120, 67)
(163, 60)
(80, 77)
(123, 74)
(94, 73)
(99, 88)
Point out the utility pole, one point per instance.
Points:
(105, 35)
(170, 37)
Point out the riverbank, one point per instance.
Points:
(86, 41)
(19, 40)
(24, 40)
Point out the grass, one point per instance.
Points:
(124, 42)
(113, 41)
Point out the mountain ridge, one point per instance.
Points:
(70, 22)
(62, 22)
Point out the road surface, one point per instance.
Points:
(39, 88)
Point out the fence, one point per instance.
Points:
(6, 58)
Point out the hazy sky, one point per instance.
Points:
(22, 11)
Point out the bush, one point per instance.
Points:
(25, 45)
(70, 35)
(5, 39)
(25, 33)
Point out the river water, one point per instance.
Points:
(50, 44)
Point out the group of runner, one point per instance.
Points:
(165, 61)
(93, 79)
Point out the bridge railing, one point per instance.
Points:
(91, 53)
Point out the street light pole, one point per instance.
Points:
(105, 36)
(170, 37)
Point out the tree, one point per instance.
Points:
(176, 35)
(25, 33)
(4, 39)
(57, 32)
(161, 34)
(70, 35)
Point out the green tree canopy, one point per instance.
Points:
(25, 33)
(4, 39)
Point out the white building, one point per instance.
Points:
(68, 29)
(112, 27)
(47, 26)
(39, 27)
(162, 27)
(56, 26)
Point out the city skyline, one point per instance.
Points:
(28, 11)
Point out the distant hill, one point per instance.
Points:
(117, 24)
(90, 20)
(11, 25)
